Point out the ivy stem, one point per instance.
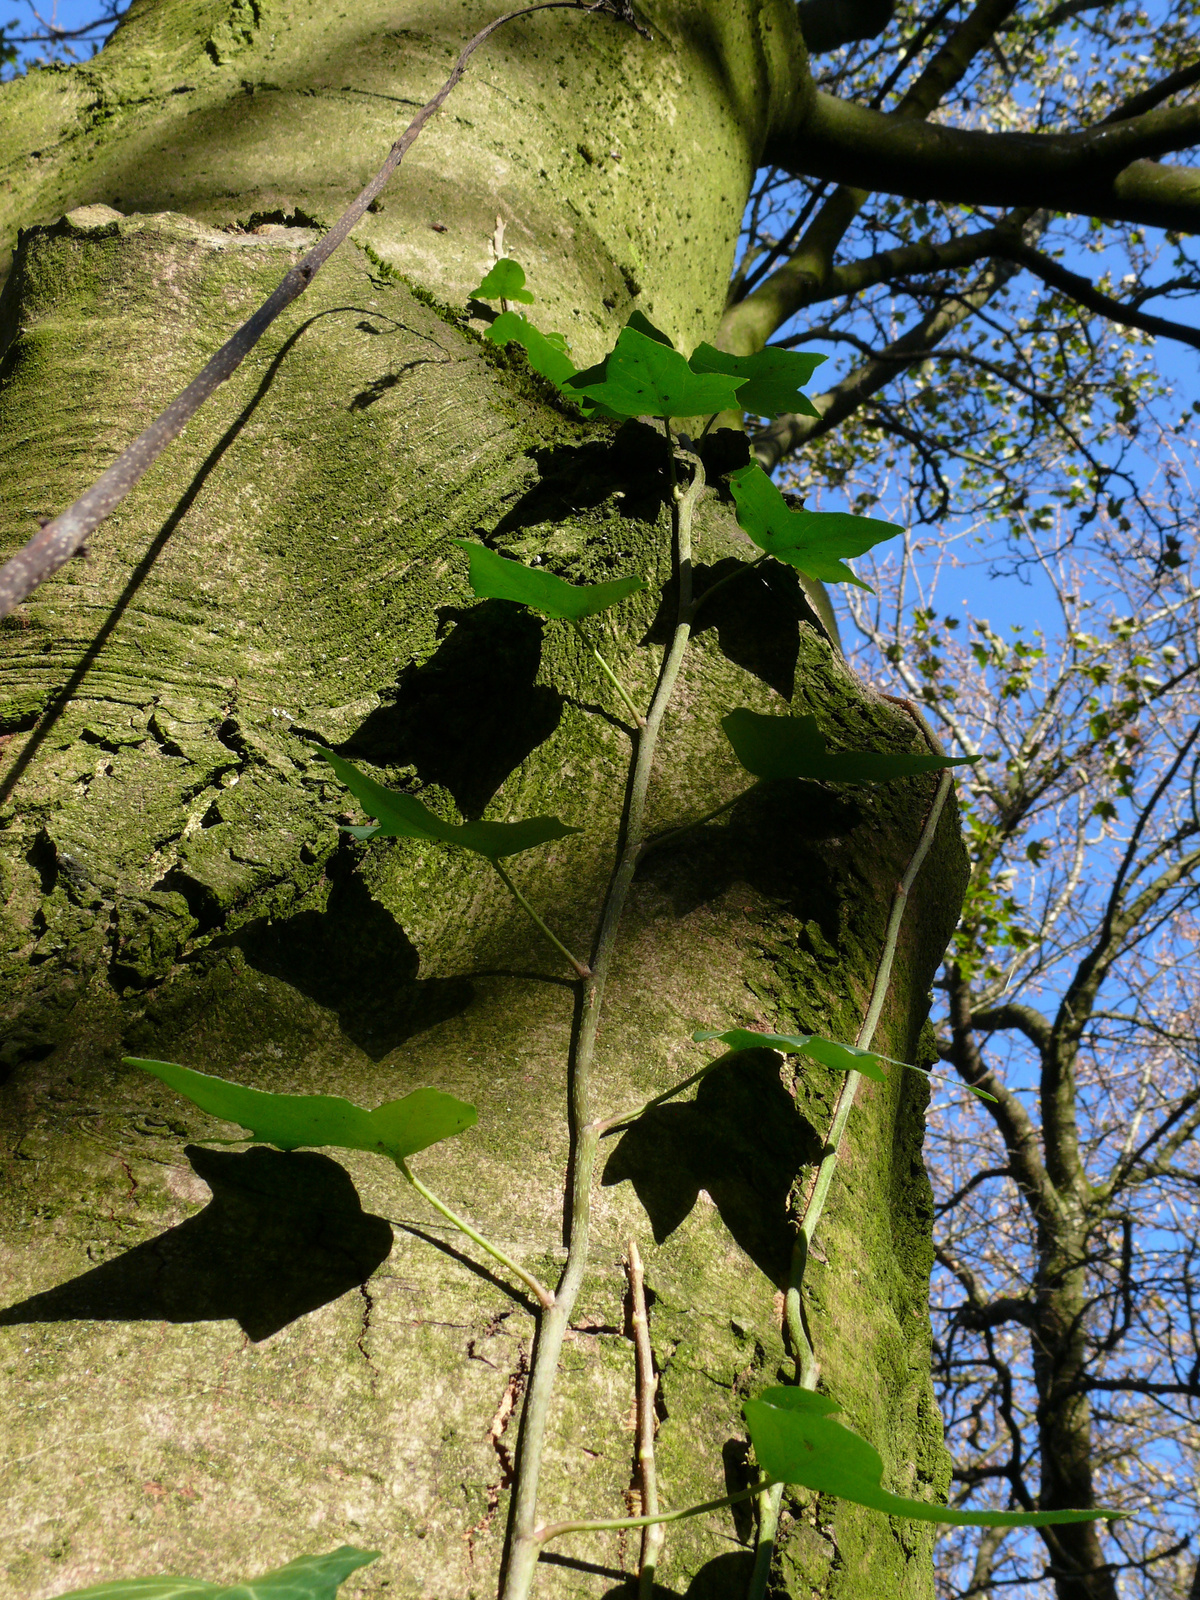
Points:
(524, 1534)
(582, 970)
(543, 1294)
(808, 1369)
(647, 1385)
(608, 672)
(554, 1529)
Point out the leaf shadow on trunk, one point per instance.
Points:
(725, 1577)
(469, 716)
(282, 1235)
(741, 1142)
(756, 619)
(628, 469)
(776, 841)
(354, 959)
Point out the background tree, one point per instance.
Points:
(1065, 1323)
(185, 897)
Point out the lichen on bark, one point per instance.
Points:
(208, 1366)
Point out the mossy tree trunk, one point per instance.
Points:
(215, 1360)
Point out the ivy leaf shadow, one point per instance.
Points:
(282, 1235)
(469, 716)
(354, 959)
(725, 1577)
(742, 1141)
(777, 840)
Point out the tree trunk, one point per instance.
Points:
(1058, 1337)
(215, 1360)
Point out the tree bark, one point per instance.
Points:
(215, 1360)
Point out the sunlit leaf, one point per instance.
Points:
(645, 378)
(505, 281)
(308, 1578)
(794, 747)
(797, 1441)
(842, 1057)
(546, 352)
(398, 1128)
(770, 379)
(493, 577)
(402, 816)
(812, 541)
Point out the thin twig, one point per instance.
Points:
(647, 1387)
(637, 716)
(60, 539)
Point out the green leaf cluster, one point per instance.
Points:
(644, 375)
(307, 1578)
(398, 1128)
(797, 1441)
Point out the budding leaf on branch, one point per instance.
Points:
(797, 1441)
(493, 577)
(547, 352)
(307, 1578)
(794, 747)
(812, 541)
(645, 378)
(398, 1128)
(770, 379)
(403, 816)
(505, 281)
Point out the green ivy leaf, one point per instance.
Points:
(645, 378)
(842, 1057)
(794, 747)
(495, 578)
(546, 352)
(797, 1441)
(398, 1128)
(770, 379)
(308, 1578)
(402, 816)
(812, 541)
(505, 281)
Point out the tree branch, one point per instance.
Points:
(788, 433)
(1035, 1027)
(1010, 1116)
(1109, 170)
